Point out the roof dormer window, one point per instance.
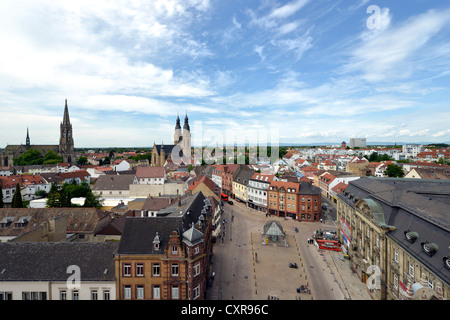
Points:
(429, 248)
(156, 242)
(411, 236)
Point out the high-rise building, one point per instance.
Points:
(358, 142)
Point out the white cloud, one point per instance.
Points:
(288, 9)
(388, 54)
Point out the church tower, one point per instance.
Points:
(66, 145)
(177, 135)
(186, 138)
(28, 139)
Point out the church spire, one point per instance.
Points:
(66, 119)
(178, 126)
(186, 123)
(66, 145)
(28, 138)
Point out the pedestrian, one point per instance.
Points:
(213, 275)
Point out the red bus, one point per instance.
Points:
(224, 197)
(326, 244)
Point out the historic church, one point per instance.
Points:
(65, 148)
(181, 147)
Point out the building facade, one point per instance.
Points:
(28, 275)
(257, 191)
(396, 233)
(300, 201)
(167, 257)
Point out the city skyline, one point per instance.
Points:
(314, 71)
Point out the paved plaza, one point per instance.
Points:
(247, 269)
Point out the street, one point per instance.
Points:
(247, 269)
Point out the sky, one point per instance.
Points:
(300, 71)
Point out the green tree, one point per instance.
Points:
(53, 200)
(93, 200)
(394, 170)
(51, 157)
(30, 157)
(17, 199)
(82, 161)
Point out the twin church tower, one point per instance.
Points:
(182, 144)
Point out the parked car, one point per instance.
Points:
(230, 202)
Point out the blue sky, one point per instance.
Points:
(304, 71)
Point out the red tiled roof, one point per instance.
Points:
(263, 177)
(150, 172)
(339, 187)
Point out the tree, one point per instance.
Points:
(82, 161)
(51, 157)
(53, 200)
(394, 170)
(29, 157)
(93, 200)
(17, 199)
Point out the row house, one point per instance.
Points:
(77, 177)
(216, 174)
(227, 177)
(166, 257)
(397, 237)
(150, 175)
(241, 179)
(257, 191)
(300, 201)
(329, 179)
(206, 186)
(29, 185)
(57, 271)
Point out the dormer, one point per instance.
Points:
(21, 223)
(411, 236)
(156, 242)
(429, 248)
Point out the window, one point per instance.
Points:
(174, 270)
(174, 250)
(411, 269)
(156, 270)
(5, 296)
(156, 292)
(139, 292)
(396, 256)
(106, 295)
(63, 295)
(196, 269)
(127, 270)
(139, 270)
(127, 292)
(94, 295)
(395, 281)
(196, 249)
(175, 293)
(75, 295)
(197, 292)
